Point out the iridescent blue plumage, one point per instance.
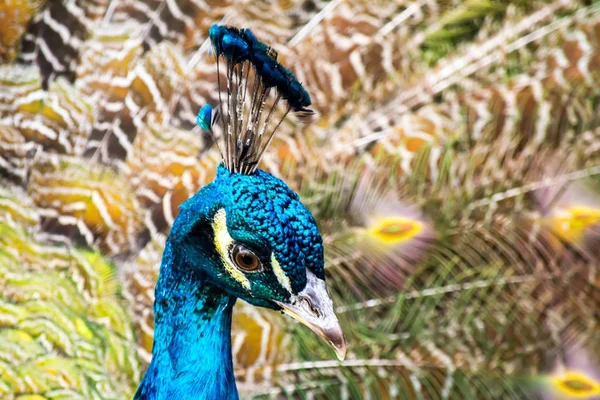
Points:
(245, 235)
(194, 295)
(234, 48)
(294, 92)
(204, 118)
(256, 46)
(241, 45)
(268, 69)
(215, 33)
(267, 206)
(191, 355)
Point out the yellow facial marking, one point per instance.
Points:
(281, 276)
(222, 242)
(570, 223)
(575, 384)
(393, 230)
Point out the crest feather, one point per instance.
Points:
(259, 93)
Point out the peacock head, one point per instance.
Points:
(264, 247)
(263, 242)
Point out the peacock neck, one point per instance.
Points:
(191, 355)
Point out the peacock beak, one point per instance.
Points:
(313, 307)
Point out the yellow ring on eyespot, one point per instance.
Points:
(575, 384)
(222, 242)
(393, 230)
(570, 223)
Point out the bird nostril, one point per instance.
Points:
(308, 306)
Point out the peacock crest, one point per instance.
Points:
(255, 82)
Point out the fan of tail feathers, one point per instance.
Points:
(452, 164)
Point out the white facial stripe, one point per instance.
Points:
(281, 276)
(222, 242)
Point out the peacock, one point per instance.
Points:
(450, 163)
(246, 235)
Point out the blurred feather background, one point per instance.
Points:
(453, 167)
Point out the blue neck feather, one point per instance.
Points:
(191, 356)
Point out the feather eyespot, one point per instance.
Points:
(244, 258)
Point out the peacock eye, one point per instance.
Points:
(245, 259)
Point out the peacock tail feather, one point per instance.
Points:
(452, 164)
(65, 330)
